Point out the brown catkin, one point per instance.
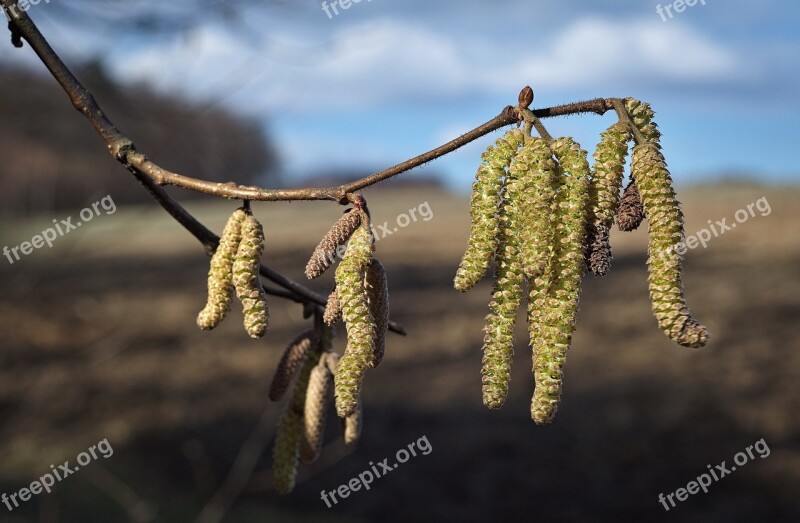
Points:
(325, 253)
(286, 451)
(333, 309)
(377, 286)
(598, 251)
(630, 212)
(293, 357)
(317, 396)
(220, 274)
(246, 278)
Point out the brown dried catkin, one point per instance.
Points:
(325, 253)
(290, 362)
(315, 413)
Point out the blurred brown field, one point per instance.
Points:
(98, 341)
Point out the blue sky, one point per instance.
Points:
(388, 79)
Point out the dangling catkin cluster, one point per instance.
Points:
(543, 216)
(235, 265)
(220, 288)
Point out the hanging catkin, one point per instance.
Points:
(290, 362)
(350, 285)
(498, 341)
(552, 325)
(316, 403)
(630, 211)
(642, 115)
(220, 284)
(665, 221)
(246, 277)
(604, 189)
(484, 205)
(285, 453)
(325, 253)
(377, 286)
(333, 309)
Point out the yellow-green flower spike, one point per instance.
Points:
(486, 196)
(538, 172)
(642, 115)
(498, 341)
(553, 325)
(286, 451)
(220, 285)
(315, 412)
(665, 221)
(359, 354)
(246, 278)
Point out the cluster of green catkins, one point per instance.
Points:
(543, 216)
(235, 265)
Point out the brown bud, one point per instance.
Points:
(526, 97)
(630, 211)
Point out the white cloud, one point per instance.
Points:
(383, 61)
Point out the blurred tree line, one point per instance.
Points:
(51, 158)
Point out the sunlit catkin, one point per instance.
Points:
(642, 115)
(665, 221)
(498, 341)
(484, 206)
(377, 286)
(285, 453)
(537, 171)
(220, 274)
(604, 189)
(552, 325)
(359, 354)
(316, 407)
(246, 277)
(290, 362)
(325, 253)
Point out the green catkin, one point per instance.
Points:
(246, 277)
(604, 189)
(498, 342)
(665, 221)
(486, 197)
(642, 115)
(553, 322)
(220, 285)
(286, 451)
(538, 171)
(350, 286)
